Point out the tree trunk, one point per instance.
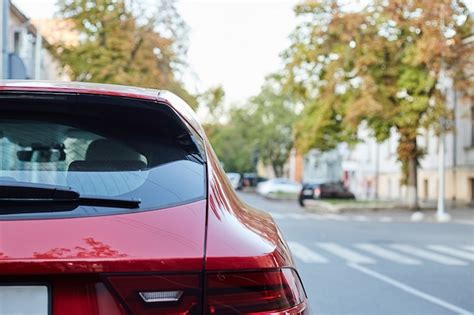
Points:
(277, 169)
(412, 183)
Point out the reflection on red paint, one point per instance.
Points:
(93, 249)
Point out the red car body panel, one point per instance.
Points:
(112, 243)
(238, 236)
(220, 233)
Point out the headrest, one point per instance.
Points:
(110, 150)
(106, 166)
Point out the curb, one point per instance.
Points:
(322, 206)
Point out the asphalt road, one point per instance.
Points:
(378, 264)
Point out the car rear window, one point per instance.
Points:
(100, 146)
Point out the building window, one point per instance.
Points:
(16, 42)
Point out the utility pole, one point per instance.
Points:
(4, 13)
(377, 170)
(441, 214)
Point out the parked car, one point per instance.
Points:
(234, 179)
(112, 201)
(279, 186)
(315, 191)
(249, 180)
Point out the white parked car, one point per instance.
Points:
(279, 187)
(234, 179)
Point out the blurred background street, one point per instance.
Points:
(378, 263)
(360, 110)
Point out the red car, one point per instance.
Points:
(113, 202)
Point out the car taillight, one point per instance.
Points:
(317, 192)
(255, 292)
(160, 294)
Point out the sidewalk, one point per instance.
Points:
(427, 212)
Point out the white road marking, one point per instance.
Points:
(385, 219)
(360, 218)
(452, 252)
(276, 215)
(297, 216)
(469, 247)
(305, 254)
(347, 254)
(315, 216)
(387, 254)
(336, 217)
(411, 290)
(411, 250)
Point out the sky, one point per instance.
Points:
(233, 43)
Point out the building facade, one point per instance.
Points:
(28, 52)
(371, 170)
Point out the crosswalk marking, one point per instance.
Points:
(438, 253)
(428, 255)
(385, 219)
(387, 254)
(296, 216)
(469, 247)
(360, 218)
(316, 216)
(452, 252)
(345, 253)
(305, 254)
(276, 215)
(337, 217)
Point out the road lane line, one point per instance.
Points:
(360, 218)
(297, 216)
(305, 254)
(277, 215)
(347, 254)
(387, 254)
(452, 251)
(468, 247)
(336, 217)
(316, 216)
(385, 219)
(411, 250)
(410, 290)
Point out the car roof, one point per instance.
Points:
(172, 100)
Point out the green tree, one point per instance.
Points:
(212, 101)
(379, 66)
(122, 43)
(233, 141)
(273, 119)
(261, 129)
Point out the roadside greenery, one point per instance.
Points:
(261, 129)
(378, 66)
(122, 42)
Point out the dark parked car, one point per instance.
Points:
(250, 180)
(314, 191)
(112, 202)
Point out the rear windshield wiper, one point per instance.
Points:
(51, 198)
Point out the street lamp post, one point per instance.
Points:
(441, 214)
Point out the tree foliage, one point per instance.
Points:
(233, 141)
(123, 43)
(379, 65)
(274, 117)
(259, 130)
